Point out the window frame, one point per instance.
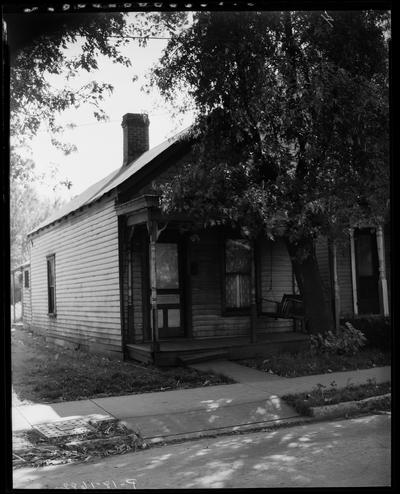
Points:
(51, 258)
(231, 311)
(371, 232)
(27, 281)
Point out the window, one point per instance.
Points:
(367, 271)
(167, 266)
(51, 282)
(26, 278)
(237, 274)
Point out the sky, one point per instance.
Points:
(99, 145)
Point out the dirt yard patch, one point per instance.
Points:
(101, 438)
(43, 373)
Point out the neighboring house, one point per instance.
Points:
(20, 294)
(358, 273)
(110, 273)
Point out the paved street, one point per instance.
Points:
(341, 453)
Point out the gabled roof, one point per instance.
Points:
(111, 181)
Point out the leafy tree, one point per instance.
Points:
(38, 49)
(291, 128)
(38, 44)
(27, 210)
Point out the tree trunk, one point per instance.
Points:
(319, 317)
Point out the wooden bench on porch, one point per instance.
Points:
(290, 307)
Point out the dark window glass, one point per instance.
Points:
(237, 274)
(364, 255)
(51, 264)
(26, 274)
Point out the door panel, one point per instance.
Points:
(169, 293)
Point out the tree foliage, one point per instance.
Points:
(38, 51)
(27, 211)
(292, 121)
(291, 129)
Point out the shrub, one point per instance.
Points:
(348, 340)
(377, 330)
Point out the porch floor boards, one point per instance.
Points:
(236, 347)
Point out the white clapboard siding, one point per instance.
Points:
(207, 318)
(87, 279)
(276, 279)
(206, 291)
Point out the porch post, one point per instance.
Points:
(153, 281)
(336, 287)
(353, 272)
(253, 314)
(383, 293)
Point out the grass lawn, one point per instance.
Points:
(307, 362)
(44, 373)
(322, 395)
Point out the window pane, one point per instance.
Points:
(237, 291)
(230, 290)
(174, 318)
(50, 271)
(237, 256)
(51, 300)
(50, 284)
(364, 255)
(26, 279)
(167, 266)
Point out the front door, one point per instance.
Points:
(169, 290)
(367, 271)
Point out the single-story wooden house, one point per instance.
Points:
(110, 273)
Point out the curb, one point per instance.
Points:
(349, 407)
(225, 431)
(90, 444)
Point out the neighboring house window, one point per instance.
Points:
(367, 272)
(237, 274)
(51, 283)
(26, 279)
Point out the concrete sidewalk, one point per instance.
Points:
(253, 403)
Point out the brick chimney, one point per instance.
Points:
(136, 136)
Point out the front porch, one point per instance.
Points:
(178, 351)
(189, 296)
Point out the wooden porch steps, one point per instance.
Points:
(202, 357)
